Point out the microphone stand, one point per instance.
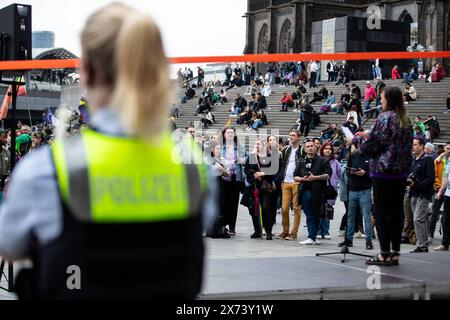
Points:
(345, 251)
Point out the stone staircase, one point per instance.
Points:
(431, 100)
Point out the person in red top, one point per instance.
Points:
(286, 101)
(369, 96)
(440, 72)
(395, 73)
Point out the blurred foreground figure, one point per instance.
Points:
(112, 213)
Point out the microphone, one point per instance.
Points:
(379, 107)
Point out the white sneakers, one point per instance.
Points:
(309, 242)
(341, 233)
(327, 237)
(360, 235)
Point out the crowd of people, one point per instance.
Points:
(357, 104)
(28, 140)
(309, 174)
(327, 156)
(61, 210)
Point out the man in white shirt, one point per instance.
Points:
(378, 69)
(289, 187)
(318, 67)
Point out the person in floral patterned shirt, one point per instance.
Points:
(388, 144)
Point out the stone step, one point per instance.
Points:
(432, 100)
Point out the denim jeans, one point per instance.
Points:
(324, 227)
(363, 200)
(378, 72)
(257, 124)
(271, 78)
(312, 221)
(237, 110)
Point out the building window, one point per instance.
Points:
(285, 37)
(263, 39)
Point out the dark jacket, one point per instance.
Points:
(308, 113)
(319, 166)
(357, 183)
(351, 126)
(323, 92)
(241, 102)
(268, 165)
(357, 92)
(380, 85)
(422, 173)
(261, 103)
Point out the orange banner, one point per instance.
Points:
(74, 63)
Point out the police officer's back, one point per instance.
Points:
(111, 212)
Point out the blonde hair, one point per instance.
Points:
(124, 53)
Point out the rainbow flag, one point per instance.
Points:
(257, 208)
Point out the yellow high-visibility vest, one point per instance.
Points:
(109, 179)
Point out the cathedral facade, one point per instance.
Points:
(285, 26)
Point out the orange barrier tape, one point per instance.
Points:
(74, 63)
(39, 64)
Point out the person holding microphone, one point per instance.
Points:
(388, 144)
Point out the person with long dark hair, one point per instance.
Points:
(273, 146)
(214, 160)
(261, 167)
(327, 152)
(234, 156)
(388, 144)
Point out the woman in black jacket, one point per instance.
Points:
(261, 168)
(214, 160)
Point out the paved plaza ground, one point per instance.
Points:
(242, 247)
